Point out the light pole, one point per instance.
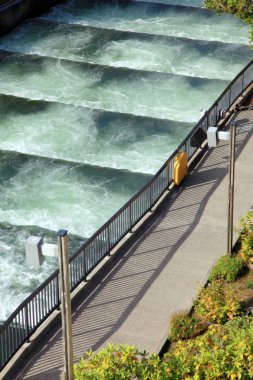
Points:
(231, 181)
(65, 305)
(213, 136)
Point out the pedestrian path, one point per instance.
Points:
(158, 274)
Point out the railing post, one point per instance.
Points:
(65, 305)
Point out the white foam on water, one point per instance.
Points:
(139, 17)
(177, 56)
(56, 195)
(128, 92)
(33, 36)
(75, 134)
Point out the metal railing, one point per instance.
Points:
(41, 303)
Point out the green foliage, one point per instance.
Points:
(239, 323)
(227, 269)
(246, 236)
(217, 302)
(117, 363)
(184, 326)
(250, 284)
(241, 8)
(223, 352)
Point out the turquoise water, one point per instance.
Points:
(137, 51)
(153, 18)
(117, 141)
(94, 98)
(116, 90)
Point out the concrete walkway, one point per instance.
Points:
(160, 273)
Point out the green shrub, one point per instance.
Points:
(217, 302)
(227, 269)
(245, 231)
(237, 323)
(250, 284)
(183, 326)
(117, 363)
(223, 352)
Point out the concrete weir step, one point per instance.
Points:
(157, 274)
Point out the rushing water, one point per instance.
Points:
(133, 92)
(94, 98)
(153, 18)
(214, 60)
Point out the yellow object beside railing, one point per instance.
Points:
(180, 167)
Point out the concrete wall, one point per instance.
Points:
(13, 12)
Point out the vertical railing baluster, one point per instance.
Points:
(58, 291)
(26, 323)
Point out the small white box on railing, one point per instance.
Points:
(222, 135)
(33, 251)
(50, 250)
(212, 138)
(36, 251)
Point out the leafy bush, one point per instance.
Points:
(223, 352)
(183, 326)
(217, 302)
(250, 284)
(117, 363)
(239, 323)
(246, 236)
(227, 269)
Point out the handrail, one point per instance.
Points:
(33, 311)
